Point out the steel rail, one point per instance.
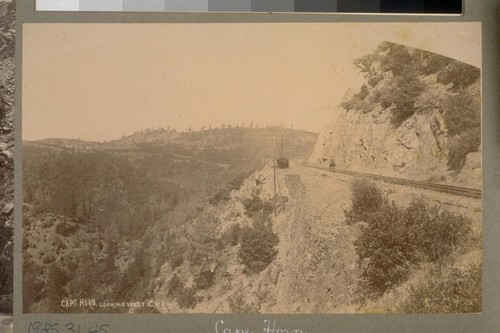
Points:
(456, 190)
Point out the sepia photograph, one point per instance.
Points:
(281, 168)
(7, 64)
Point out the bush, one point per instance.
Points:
(232, 236)
(357, 104)
(283, 163)
(457, 292)
(175, 259)
(462, 116)
(459, 74)
(233, 184)
(257, 209)
(187, 298)
(461, 112)
(257, 247)
(174, 286)
(366, 199)
(204, 279)
(65, 229)
(404, 93)
(395, 239)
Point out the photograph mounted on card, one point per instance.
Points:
(252, 168)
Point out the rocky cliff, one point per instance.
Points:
(419, 120)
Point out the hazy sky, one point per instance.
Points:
(99, 81)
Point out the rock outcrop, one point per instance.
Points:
(393, 128)
(367, 142)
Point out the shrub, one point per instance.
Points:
(374, 79)
(174, 286)
(187, 298)
(257, 247)
(257, 209)
(233, 184)
(405, 90)
(457, 292)
(461, 112)
(175, 259)
(395, 239)
(65, 229)
(282, 163)
(232, 236)
(204, 279)
(237, 305)
(459, 74)
(357, 104)
(366, 198)
(462, 116)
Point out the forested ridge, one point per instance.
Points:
(105, 218)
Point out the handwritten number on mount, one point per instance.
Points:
(70, 327)
(38, 327)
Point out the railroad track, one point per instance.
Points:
(456, 190)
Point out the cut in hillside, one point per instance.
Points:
(418, 115)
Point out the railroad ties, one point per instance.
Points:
(456, 190)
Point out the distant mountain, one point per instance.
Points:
(245, 143)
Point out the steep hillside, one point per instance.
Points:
(315, 266)
(128, 207)
(7, 38)
(138, 230)
(416, 116)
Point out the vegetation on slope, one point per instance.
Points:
(112, 218)
(394, 241)
(258, 242)
(397, 79)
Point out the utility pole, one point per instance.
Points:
(274, 165)
(281, 150)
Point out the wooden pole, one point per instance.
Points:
(281, 150)
(274, 164)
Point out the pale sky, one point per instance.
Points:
(99, 81)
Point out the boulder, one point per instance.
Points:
(8, 208)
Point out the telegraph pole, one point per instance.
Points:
(281, 150)
(274, 166)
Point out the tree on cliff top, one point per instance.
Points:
(396, 72)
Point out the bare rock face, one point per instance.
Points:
(368, 142)
(417, 118)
